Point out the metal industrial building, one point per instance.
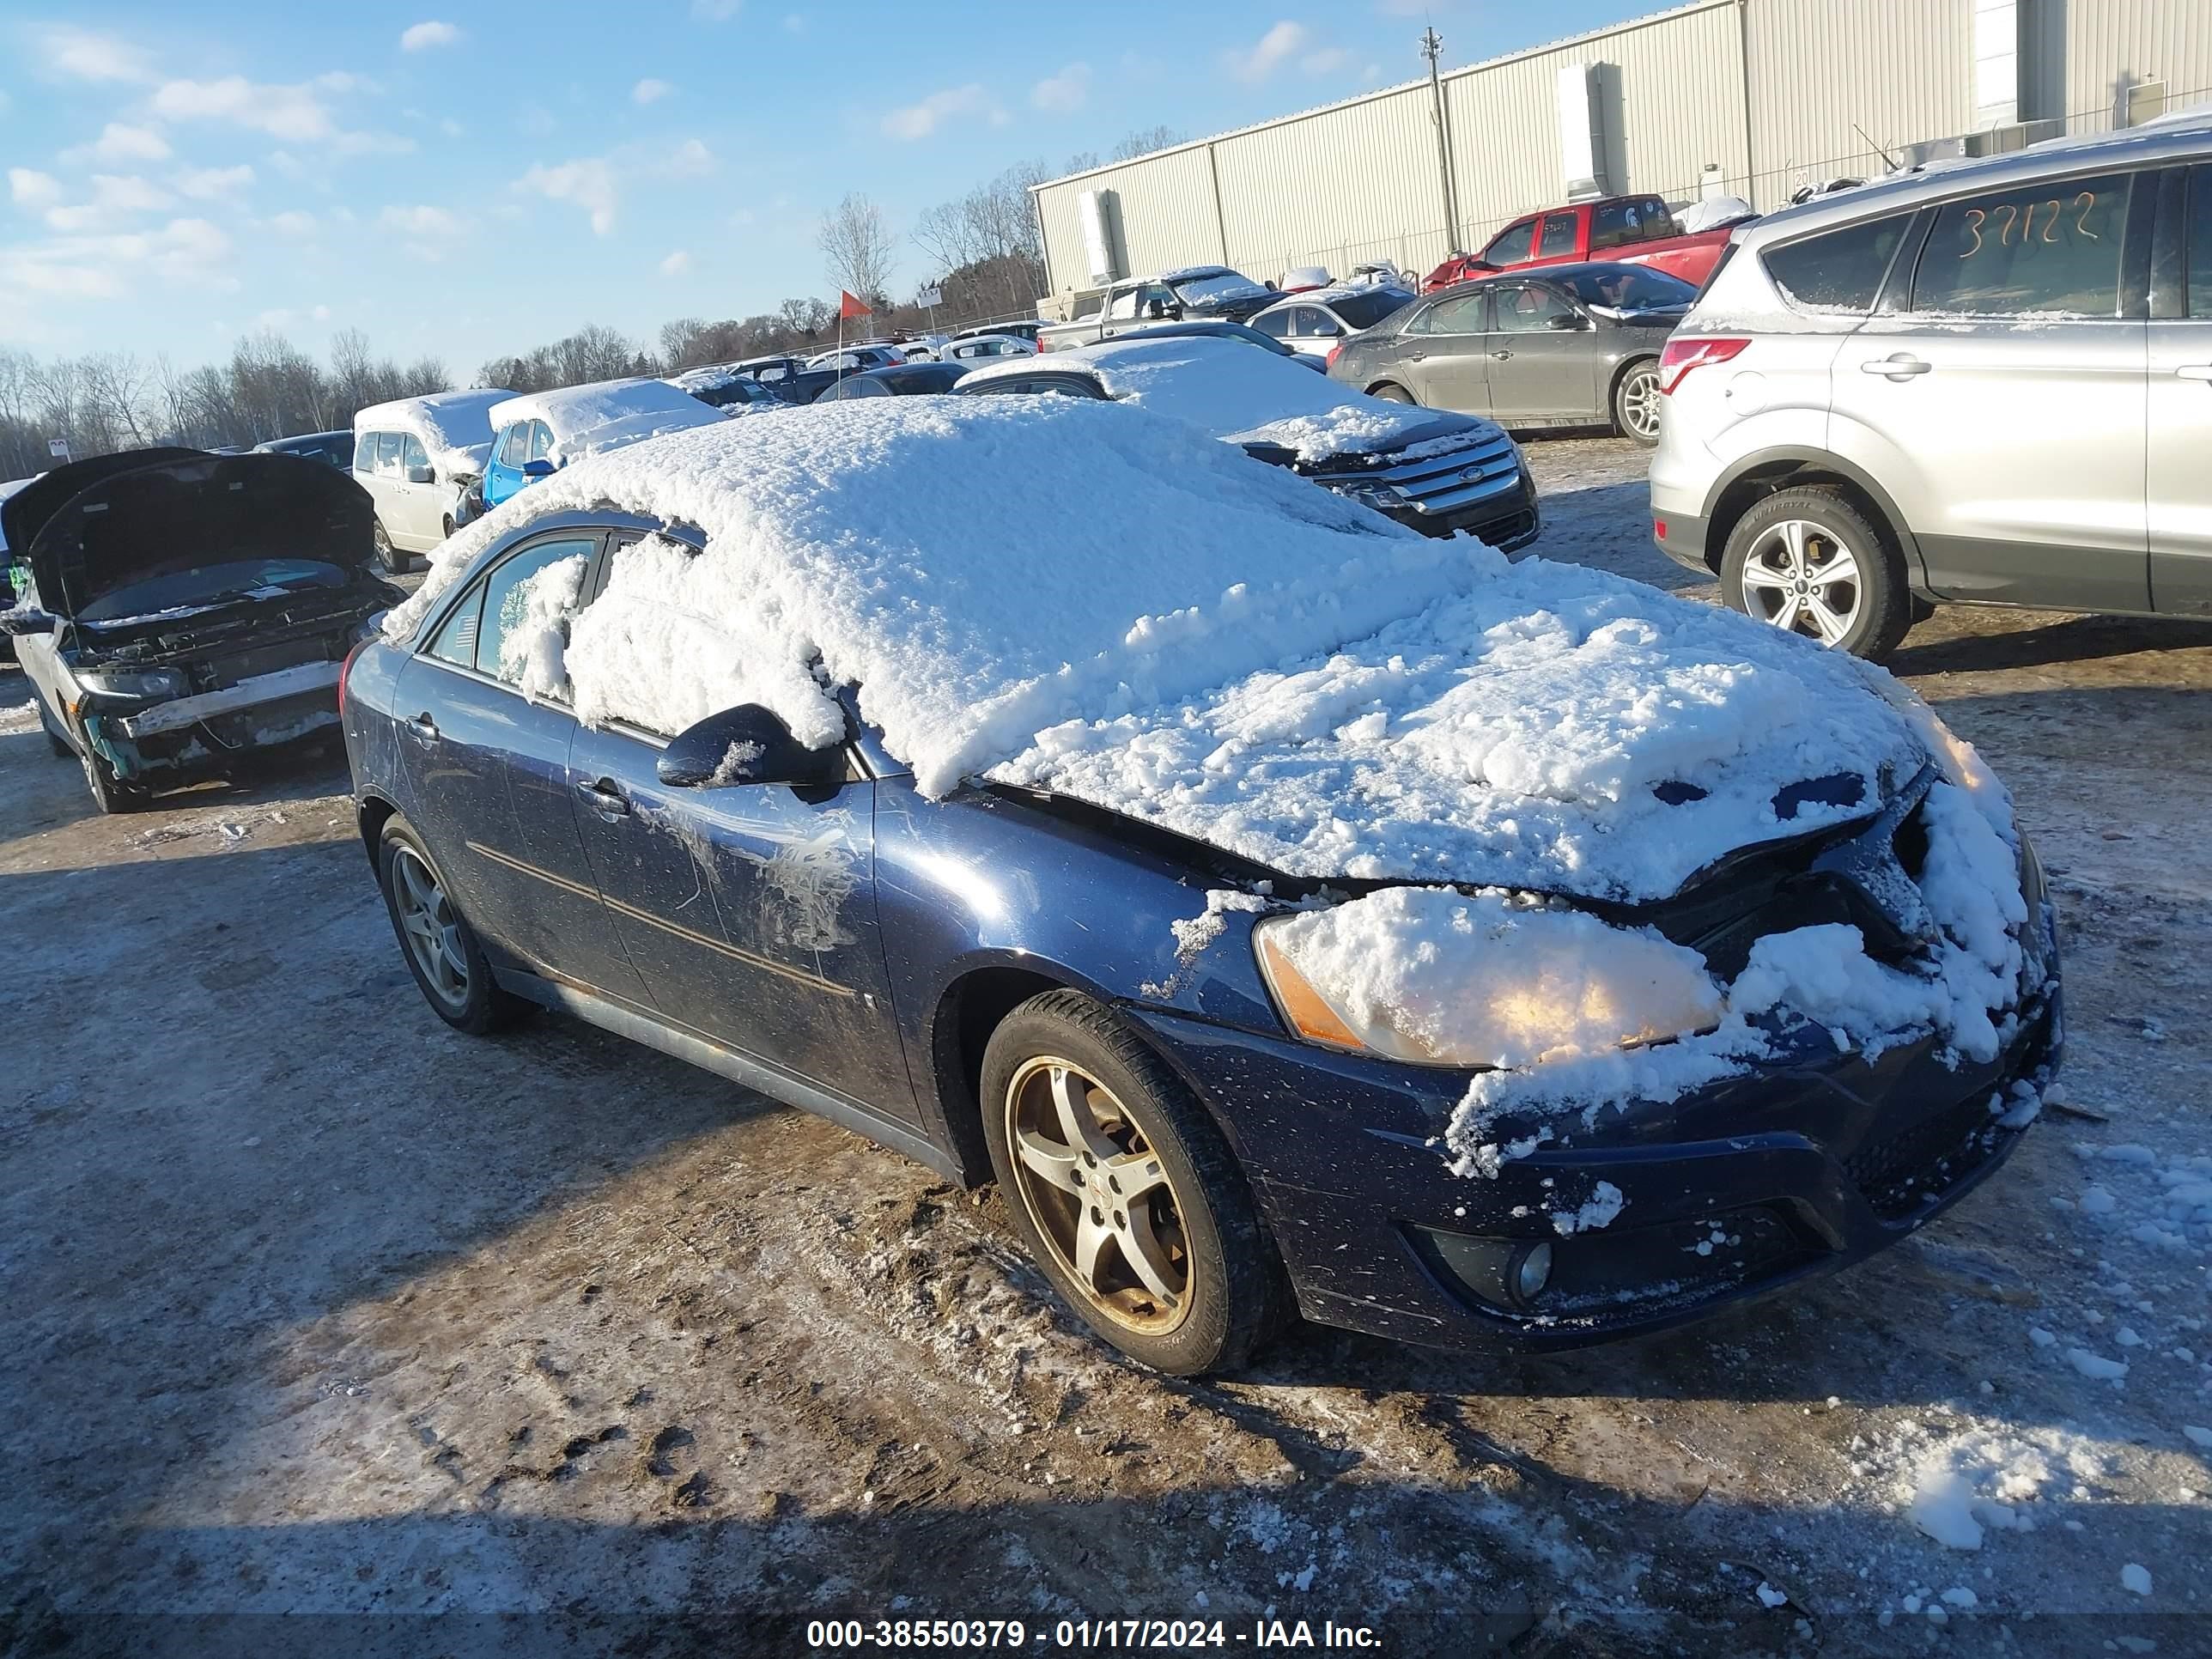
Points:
(1751, 98)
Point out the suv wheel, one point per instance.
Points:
(1123, 1190)
(1809, 560)
(1636, 402)
(393, 561)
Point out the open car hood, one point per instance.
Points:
(90, 527)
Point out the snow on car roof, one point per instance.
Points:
(1238, 392)
(1073, 596)
(455, 427)
(606, 414)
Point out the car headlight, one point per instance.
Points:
(145, 683)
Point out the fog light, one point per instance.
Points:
(1534, 1272)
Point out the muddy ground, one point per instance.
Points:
(315, 1308)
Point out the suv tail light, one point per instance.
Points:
(1682, 355)
(1335, 352)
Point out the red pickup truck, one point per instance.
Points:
(1635, 230)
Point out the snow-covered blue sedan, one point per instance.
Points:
(1292, 912)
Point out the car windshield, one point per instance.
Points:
(1365, 310)
(1627, 288)
(1209, 286)
(209, 584)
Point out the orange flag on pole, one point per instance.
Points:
(849, 306)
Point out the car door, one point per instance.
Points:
(2001, 404)
(1442, 356)
(421, 507)
(2178, 476)
(378, 452)
(1558, 236)
(1515, 244)
(503, 472)
(749, 909)
(486, 774)
(1539, 345)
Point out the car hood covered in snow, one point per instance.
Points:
(1244, 394)
(1072, 597)
(607, 414)
(93, 525)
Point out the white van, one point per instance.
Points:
(415, 458)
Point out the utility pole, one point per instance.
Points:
(1432, 47)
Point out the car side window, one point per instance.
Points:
(1615, 224)
(1558, 235)
(528, 596)
(2198, 248)
(514, 445)
(1527, 308)
(2052, 248)
(541, 441)
(1512, 245)
(1122, 306)
(1462, 315)
(364, 453)
(455, 641)
(1275, 324)
(1841, 269)
(412, 454)
(387, 454)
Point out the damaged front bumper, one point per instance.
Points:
(146, 741)
(1809, 1162)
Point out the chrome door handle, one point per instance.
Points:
(422, 728)
(1897, 366)
(1501, 356)
(1417, 356)
(2195, 371)
(606, 798)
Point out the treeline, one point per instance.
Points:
(119, 400)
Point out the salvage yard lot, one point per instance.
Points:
(317, 1306)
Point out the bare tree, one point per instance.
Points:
(1142, 141)
(115, 386)
(857, 245)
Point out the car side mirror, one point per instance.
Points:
(540, 468)
(1329, 331)
(1568, 324)
(18, 622)
(421, 475)
(745, 744)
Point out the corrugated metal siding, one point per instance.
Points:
(1334, 188)
(1904, 69)
(1165, 210)
(1671, 93)
(2114, 44)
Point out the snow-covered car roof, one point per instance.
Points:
(1073, 596)
(1020, 346)
(455, 427)
(606, 414)
(1242, 394)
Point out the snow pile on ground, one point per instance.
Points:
(1961, 1488)
(2164, 1200)
(585, 420)
(1241, 394)
(981, 569)
(455, 427)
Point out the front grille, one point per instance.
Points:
(1437, 481)
(1918, 1164)
(227, 670)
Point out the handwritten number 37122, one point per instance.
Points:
(2084, 205)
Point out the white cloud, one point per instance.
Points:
(920, 120)
(293, 114)
(293, 222)
(119, 141)
(1277, 45)
(690, 160)
(114, 195)
(650, 91)
(421, 222)
(213, 184)
(423, 36)
(83, 55)
(320, 313)
(716, 11)
(1063, 93)
(29, 188)
(188, 247)
(589, 184)
(676, 264)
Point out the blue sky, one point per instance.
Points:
(466, 184)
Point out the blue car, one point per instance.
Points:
(1053, 795)
(535, 435)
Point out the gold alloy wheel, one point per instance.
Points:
(1098, 1195)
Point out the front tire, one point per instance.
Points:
(109, 792)
(1123, 1191)
(440, 947)
(393, 561)
(1636, 402)
(1391, 392)
(1809, 560)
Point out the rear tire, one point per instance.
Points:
(1636, 402)
(1809, 561)
(440, 947)
(1142, 1178)
(393, 561)
(1391, 392)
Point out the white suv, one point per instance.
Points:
(1989, 383)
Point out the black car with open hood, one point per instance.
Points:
(183, 607)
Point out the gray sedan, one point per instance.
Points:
(1560, 345)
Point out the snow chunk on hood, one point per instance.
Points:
(980, 568)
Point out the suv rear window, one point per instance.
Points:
(2052, 247)
(1841, 270)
